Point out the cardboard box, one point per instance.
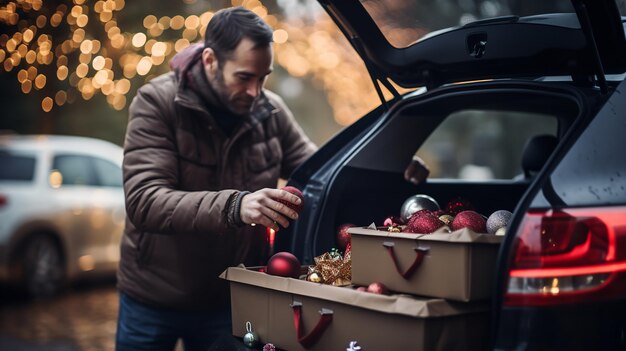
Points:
(375, 322)
(458, 266)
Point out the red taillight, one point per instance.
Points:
(3, 200)
(569, 256)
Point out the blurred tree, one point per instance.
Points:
(73, 66)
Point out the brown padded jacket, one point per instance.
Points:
(180, 173)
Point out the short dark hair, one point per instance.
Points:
(229, 26)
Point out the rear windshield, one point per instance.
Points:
(16, 167)
(404, 22)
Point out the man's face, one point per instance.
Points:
(238, 80)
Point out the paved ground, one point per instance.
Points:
(81, 319)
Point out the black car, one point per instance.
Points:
(526, 114)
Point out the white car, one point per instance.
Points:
(61, 210)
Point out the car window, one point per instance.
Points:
(74, 170)
(108, 173)
(16, 166)
(483, 145)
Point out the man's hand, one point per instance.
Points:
(417, 171)
(262, 207)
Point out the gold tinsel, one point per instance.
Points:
(333, 268)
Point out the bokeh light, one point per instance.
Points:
(79, 49)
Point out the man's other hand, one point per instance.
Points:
(417, 171)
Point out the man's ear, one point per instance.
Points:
(209, 60)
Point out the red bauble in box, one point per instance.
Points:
(298, 193)
(471, 220)
(283, 264)
(423, 222)
(343, 237)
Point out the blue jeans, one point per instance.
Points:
(142, 327)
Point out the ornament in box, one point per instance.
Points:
(378, 288)
(416, 203)
(392, 225)
(314, 276)
(284, 264)
(423, 222)
(446, 218)
(498, 219)
(333, 268)
(471, 220)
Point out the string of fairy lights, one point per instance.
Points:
(120, 61)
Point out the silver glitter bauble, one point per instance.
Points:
(497, 220)
(250, 338)
(416, 203)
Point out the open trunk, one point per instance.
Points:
(362, 181)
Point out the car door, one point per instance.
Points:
(109, 193)
(88, 212)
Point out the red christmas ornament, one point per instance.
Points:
(296, 192)
(471, 220)
(343, 237)
(423, 222)
(458, 205)
(378, 288)
(284, 264)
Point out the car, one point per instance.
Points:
(519, 113)
(61, 210)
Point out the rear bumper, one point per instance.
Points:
(573, 327)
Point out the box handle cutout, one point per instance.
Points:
(420, 252)
(309, 340)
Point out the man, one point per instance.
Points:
(204, 149)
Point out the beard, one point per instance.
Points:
(238, 105)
